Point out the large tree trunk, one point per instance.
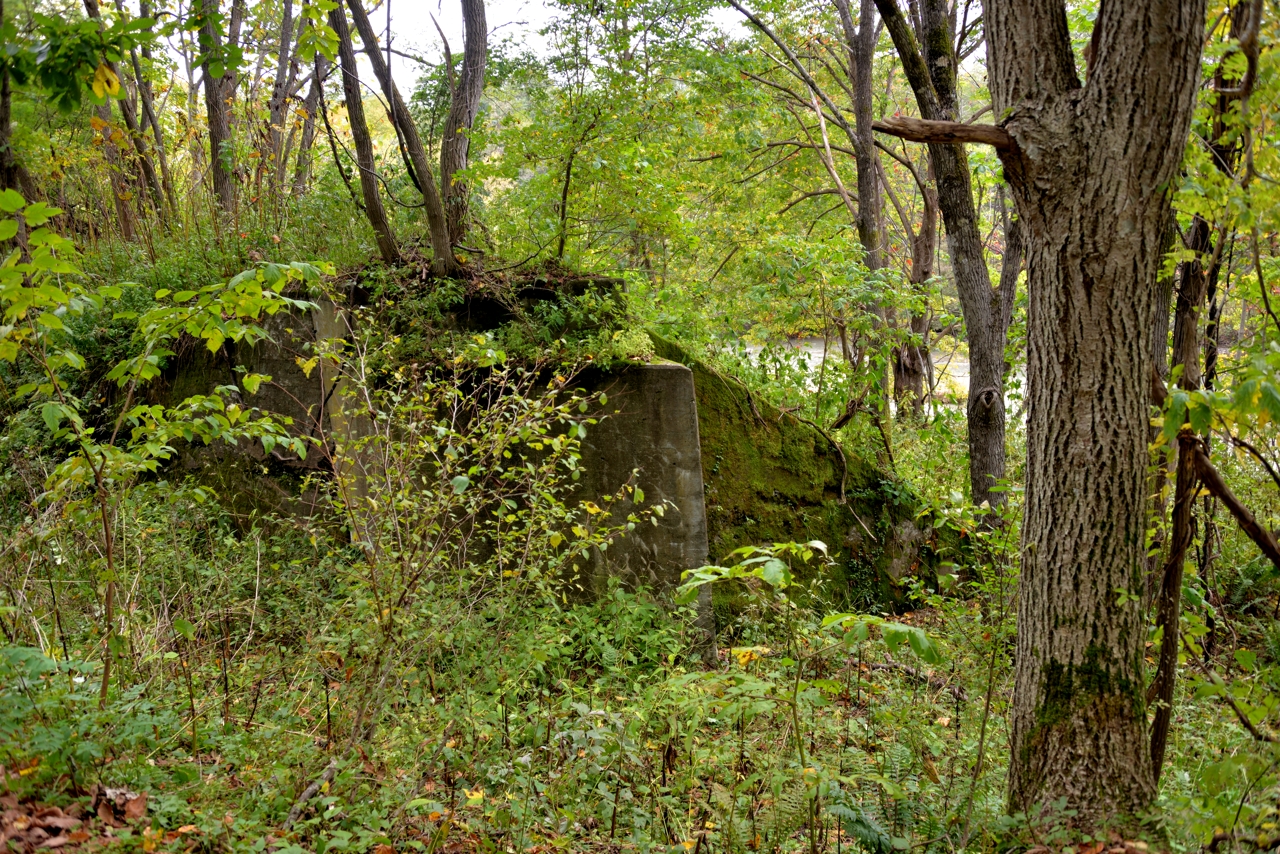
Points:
(444, 263)
(1090, 168)
(455, 141)
(363, 143)
(932, 79)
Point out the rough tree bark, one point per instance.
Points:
(363, 143)
(1090, 170)
(445, 263)
(455, 141)
(933, 82)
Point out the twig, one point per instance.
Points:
(1262, 284)
(295, 812)
(934, 683)
(1213, 677)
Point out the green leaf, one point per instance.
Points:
(11, 201)
(923, 647)
(184, 628)
(53, 415)
(460, 484)
(251, 382)
(38, 213)
(1199, 414)
(774, 573)
(183, 296)
(8, 229)
(1271, 400)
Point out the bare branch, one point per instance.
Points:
(924, 130)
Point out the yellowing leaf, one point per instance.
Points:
(105, 81)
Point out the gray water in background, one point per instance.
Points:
(950, 367)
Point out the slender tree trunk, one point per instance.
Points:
(1089, 166)
(363, 143)
(128, 112)
(444, 263)
(281, 91)
(8, 157)
(147, 98)
(1160, 468)
(455, 142)
(217, 108)
(1197, 278)
(910, 363)
(933, 82)
(302, 172)
(120, 192)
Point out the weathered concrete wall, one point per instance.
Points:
(650, 426)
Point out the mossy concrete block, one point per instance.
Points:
(772, 477)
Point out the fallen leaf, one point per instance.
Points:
(55, 842)
(62, 822)
(136, 807)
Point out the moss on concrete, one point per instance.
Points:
(772, 477)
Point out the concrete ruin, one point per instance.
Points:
(733, 470)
